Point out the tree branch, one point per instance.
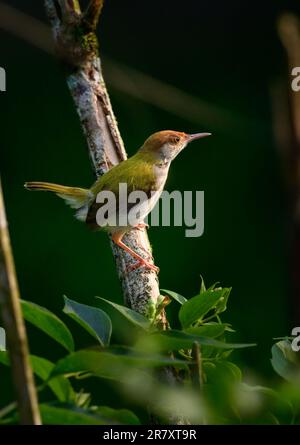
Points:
(92, 14)
(77, 47)
(15, 328)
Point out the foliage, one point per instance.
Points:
(210, 387)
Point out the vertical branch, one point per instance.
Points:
(196, 367)
(77, 48)
(15, 328)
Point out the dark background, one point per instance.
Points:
(225, 53)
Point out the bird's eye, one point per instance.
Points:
(175, 140)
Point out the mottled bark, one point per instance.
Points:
(77, 48)
(15, 329)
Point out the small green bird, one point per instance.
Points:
(146, 171)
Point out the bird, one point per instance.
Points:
(146, 171)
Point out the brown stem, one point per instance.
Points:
(196, 367)
(15, 328)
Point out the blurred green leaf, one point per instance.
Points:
(42, 367)
(49, 323)
(177, 297)
(175, 340)
(53, 415)
(92, 319)
(111, 365)
(224, 369)
(118, 416)
(197, 307)
(285, 361)
(211, 330)
(133, 316)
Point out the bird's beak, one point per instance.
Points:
(193, 137)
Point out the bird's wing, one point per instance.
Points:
(135, 175)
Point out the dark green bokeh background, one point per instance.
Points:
(226, 53)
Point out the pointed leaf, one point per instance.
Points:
(133, 316)
(203, 287)
(175, 340)
(49, 323)
(92, 319)
(179, 298)
(197, 307)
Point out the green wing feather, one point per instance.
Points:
(136, 172)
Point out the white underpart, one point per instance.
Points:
(144, 208)
(82, 213)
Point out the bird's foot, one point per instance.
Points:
(141, 226)
(142, 263)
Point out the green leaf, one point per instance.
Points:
(222, 369)
(53, 415)
(175, 340)
(118, 416)
(133, 316)
(92, 319)
(42, 367)
(49, 323)
(108, 365)
(73, 415)
(197, 307)
(285, 361)
(179, 298)
(203, 287)
(211, 330)
(221, 305)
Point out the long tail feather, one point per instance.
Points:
(74, 196)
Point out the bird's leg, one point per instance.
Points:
(141, 226)
(117, 238)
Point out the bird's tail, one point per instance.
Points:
(76, 197)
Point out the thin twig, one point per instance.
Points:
(15, 328)
(196, 367)
(92, 14)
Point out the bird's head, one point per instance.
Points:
(165, 145)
